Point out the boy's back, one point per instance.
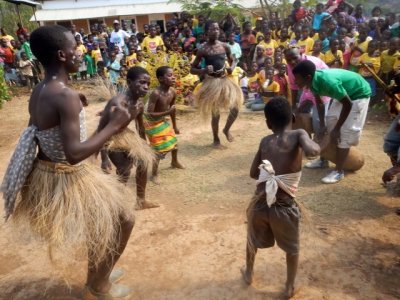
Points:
(273, 215)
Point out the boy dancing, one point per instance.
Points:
(125, 148)
(273, 214)
(159, 132)
(49, 188)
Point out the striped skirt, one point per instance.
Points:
(160, 134)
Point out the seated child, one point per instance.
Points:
(334, 57)
(273, 214)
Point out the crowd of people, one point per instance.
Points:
(323, 61)
(339, 35)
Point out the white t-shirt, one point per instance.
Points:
(117, 38)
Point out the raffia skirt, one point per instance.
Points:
(74, 205)
(129, 141)
(218, 93)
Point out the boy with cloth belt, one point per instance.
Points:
(273, 214)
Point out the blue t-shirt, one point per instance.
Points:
(317, 20)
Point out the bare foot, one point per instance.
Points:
(228, 135)
(177, 165)
(143, 204)
(155, 180)
(248, 278)
(289, 291)
(217, 145)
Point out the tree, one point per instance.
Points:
(9, 17)
(216, 10)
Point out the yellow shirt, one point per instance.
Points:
(96, 55)
(375, 61)
(272, 87)
(330, 58)
(396, 65)
(236, 74)
(142, 64)
(315, 36)
(388, 60)
(364, 45)
(254, 83)
(269, 47)
(151, 44)
(284, 44)
(82, 49)
(189, 81)
(306, 46)
(130, 60)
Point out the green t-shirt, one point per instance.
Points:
(337, 83)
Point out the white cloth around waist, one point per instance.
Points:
(287, 182)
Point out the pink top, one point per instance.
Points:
(306, 94)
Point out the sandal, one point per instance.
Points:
(116, 291)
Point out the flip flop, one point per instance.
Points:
(116, 275)
(116, 291)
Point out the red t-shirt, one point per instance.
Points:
(246, 40)
(8, 55)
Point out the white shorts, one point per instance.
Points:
(350, 132)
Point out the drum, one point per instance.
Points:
(303, 121)
(354, 162)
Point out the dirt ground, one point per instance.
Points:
(193, 246)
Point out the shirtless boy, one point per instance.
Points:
(273, 214)
(159, 132)
(120, 146)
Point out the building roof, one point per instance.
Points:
(60, 10)
(24, 2)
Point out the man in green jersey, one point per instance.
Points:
(347, 113)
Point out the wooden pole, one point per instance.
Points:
(19, 15)
(34, 15)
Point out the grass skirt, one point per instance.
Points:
(78, 205)
(129, 141)
(218, 93)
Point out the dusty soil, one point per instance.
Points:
(193, 246)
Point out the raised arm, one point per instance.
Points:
(69, 107)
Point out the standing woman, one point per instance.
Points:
(217, 91)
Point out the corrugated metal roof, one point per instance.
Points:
(25, 2)
(109, 11)
(90, 9)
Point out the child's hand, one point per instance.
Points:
(172, 109)
(106, 166)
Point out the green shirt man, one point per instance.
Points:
(347, 112)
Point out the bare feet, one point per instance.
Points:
(289, 291)
(155, 180)
(248, 278)
(143, 204)
(228, 135)
(177, 165)
(217, 145)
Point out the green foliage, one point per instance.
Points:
(9, 17)
(4, 93)
(216, 10)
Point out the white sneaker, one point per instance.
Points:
(333, 177)
(317, 164)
